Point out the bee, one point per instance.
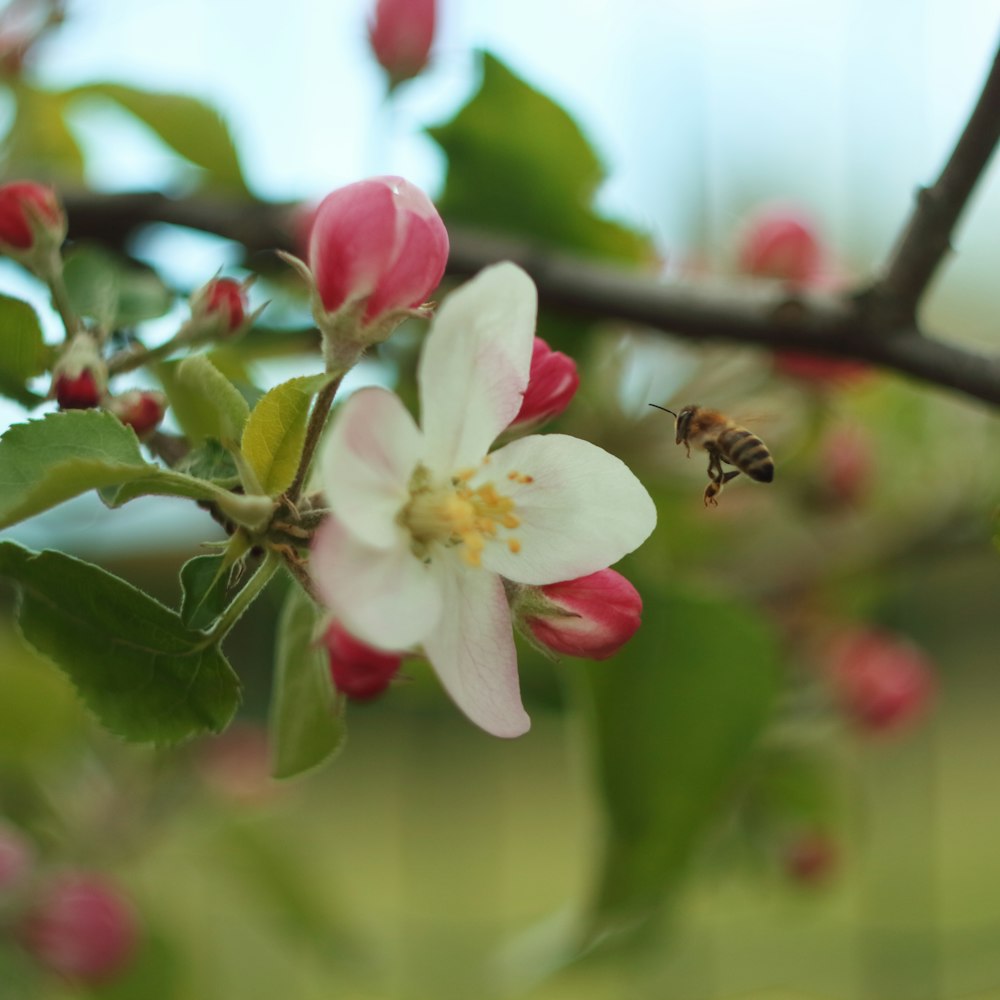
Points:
(726, 443)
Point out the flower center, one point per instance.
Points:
(459, 514)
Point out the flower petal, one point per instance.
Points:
(475, 364)
(386, 597)
(472, 650)
(366, 463)
(581, 511)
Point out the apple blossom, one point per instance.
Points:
(377, 249)
(358, 670)
(426, 525)
(401, 33)
(592, 616)
(552, 383)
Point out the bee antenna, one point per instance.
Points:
(665, 410)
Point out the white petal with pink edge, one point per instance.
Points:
(582, 510)
(475, 364)
(385, 597)
(472, 651)
(367, 460)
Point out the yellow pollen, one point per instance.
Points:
(519, 477)
(514, 545)
(511, 521)
(464, 476)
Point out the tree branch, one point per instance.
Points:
(926, 238)
(876, 324)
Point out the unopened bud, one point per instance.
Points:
(80, 376)
(780, 243)
(358, 670)
(591, 617)
(881, 681)
(30, 213)
(222, 304)
(80, 927)
(552, 383)
(401, 33)
(810, 858)
(141, 409)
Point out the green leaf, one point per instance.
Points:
(204, 582)
(212, 462)
(518, 163)
(205, 403)
(44, 462)
(674, 721)
(307, 714)
(276, 431)
(188, 126)
(114, 293)
(23, 351)
(145, 676)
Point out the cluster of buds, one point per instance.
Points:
(76, 924)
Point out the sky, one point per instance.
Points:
(698, 109)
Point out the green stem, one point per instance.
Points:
(250, 592)
(129, 360)
(52, 275)
(314, 430)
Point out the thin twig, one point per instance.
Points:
(926, 238)
(314, 430)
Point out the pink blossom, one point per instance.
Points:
(552, 383)
(592, 616)
(378, 245)
(401, 33)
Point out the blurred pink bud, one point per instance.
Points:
(80, 927)
(141, 409)
(846, 464)
(358, 670)
(552, 383)
(810, 858)
(780, 243)
(401, 33)
(591, 617)
(379, 243)
(235, 764)
(880, 680)
(819, 370)
(25, 208)
(17, 857)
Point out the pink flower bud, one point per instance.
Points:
(819, 370)
(881, 681)
(810, 858)
(80, 376)
(141, 409)
(17, 858)
(592, 616)
(80, 927)
(379, 245)
(552, 383)
(222, 301)
(780, 243)
(401, 33)
(26, 208)
(358, 670)
(846, 465)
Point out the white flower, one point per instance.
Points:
(425, 524)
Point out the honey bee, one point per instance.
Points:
(726, 442)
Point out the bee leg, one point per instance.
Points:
(714, 488)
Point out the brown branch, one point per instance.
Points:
(926, 238)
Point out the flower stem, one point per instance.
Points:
(250, 592)
(51, 273)
(317, 421)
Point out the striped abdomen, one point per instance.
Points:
(747, 452)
